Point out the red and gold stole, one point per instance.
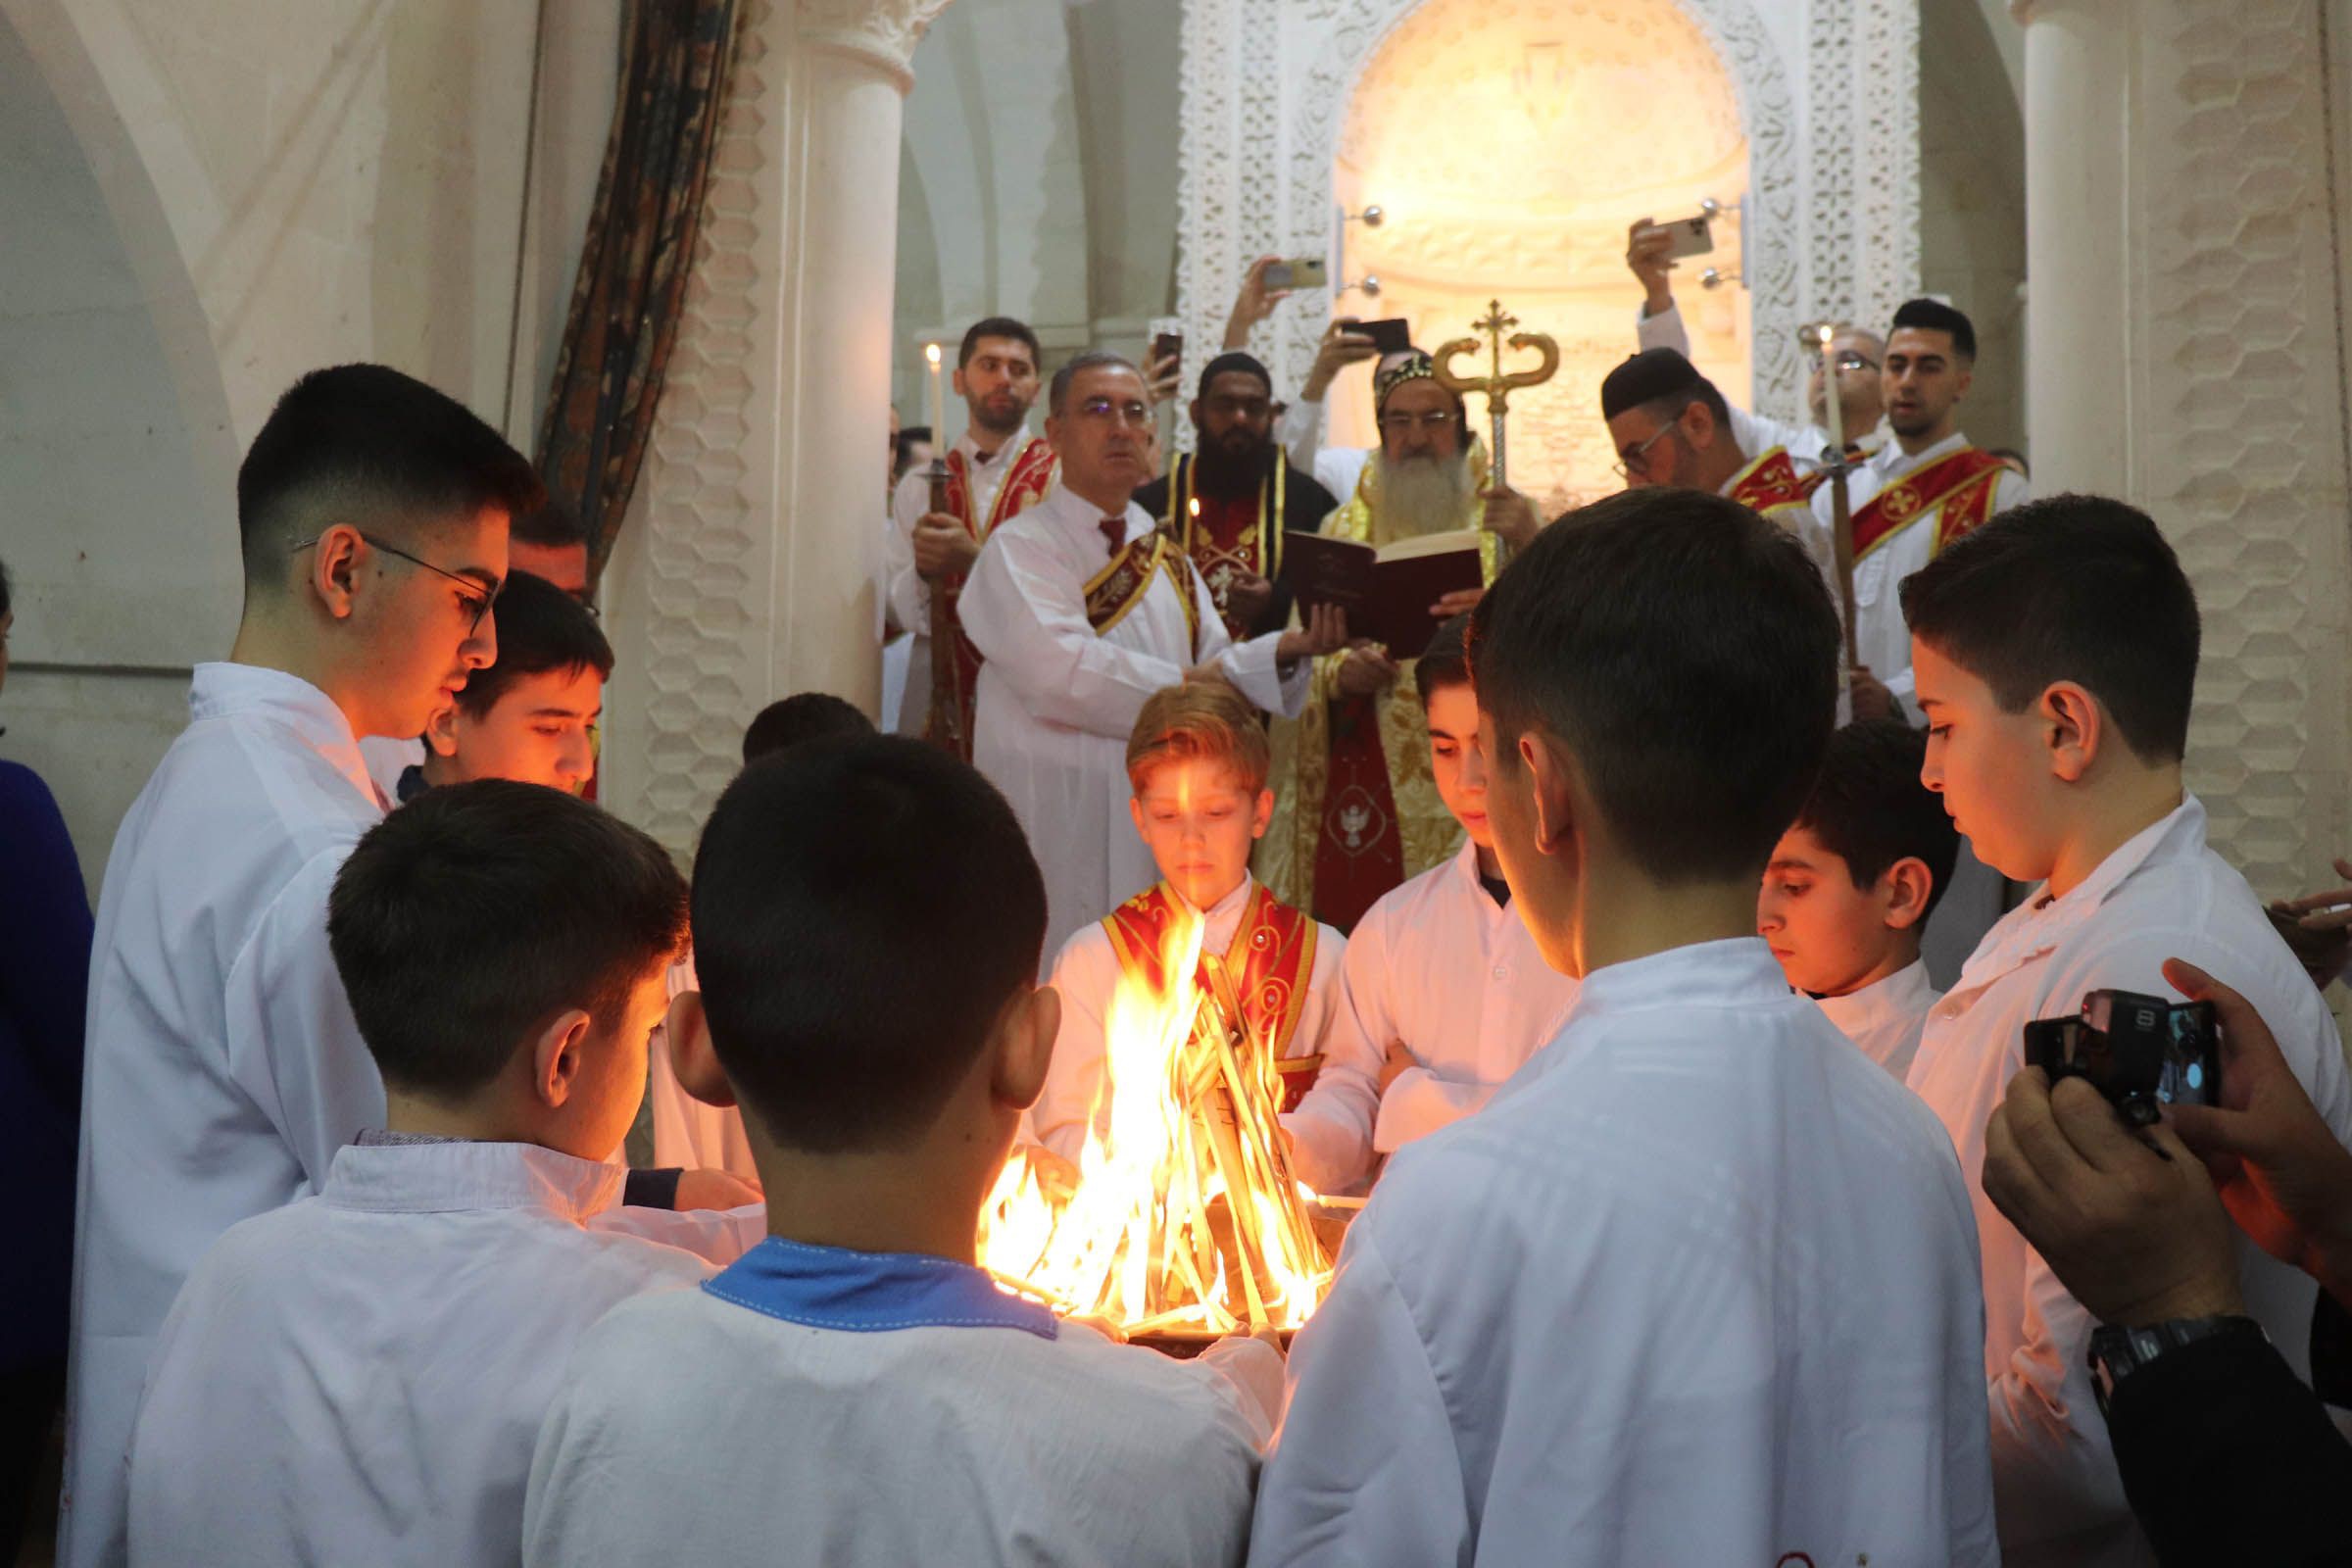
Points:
(1962, 485)
(1030, 477)
(1272, 959)
(1121, 585)
(1768, 482)
(1226, 538)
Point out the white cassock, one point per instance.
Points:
(908, 594)
(359, 1377)
(1699, 1286)
(1057, 699)
(690, 1133)
(2162, 895)
(1882, 638)
(846, 1408)
(1086, 971)
(387, 758)
(223, 1068)
(1884, 1017)
(1455, 977)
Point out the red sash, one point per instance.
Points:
(1121, 585)
(1768, 482)
(1225, 538)
(1030, 477)
(1272, 960)
(1959, 488)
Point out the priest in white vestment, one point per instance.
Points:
(1081, 610)
(223, 1069)
(1696, 1287)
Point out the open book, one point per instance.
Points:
(1386, 592)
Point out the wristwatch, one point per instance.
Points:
(2116, 1352)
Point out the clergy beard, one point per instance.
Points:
(1220, 470)
(1421, 494)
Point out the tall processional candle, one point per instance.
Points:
(939, 400)
(1829, 389)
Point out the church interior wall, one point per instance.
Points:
(1972, 205)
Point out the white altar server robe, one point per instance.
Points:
(1696, 1287)
(1882, 637)
(359, 1377)
(854, 1427)
(1884, 1018)
(223, 1069)
(1455, 977)
(908, 594)
(1057, 699)
(1086, 973)
(2162, 895)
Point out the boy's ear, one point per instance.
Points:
(1262, 815)
(1024, 1047)
(1551, 790)
(2073, 728)
(692, 1056)
(557, 1055)
(1906, 886)
(1135, 810)
(441, 731)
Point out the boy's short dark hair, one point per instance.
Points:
(997, 326)
(1933, 315)
(540, 627)
(1871, 811)
(366, 444)
(2077, 588)
(863, 911)
(477, 913)
(1446, 662)
(1685, 651)
(803, 717)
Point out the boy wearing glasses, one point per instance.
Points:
(223, 1069)
(1081, 610)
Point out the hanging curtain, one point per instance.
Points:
(625, 302)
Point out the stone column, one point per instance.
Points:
(747, 568)
(2183, 353)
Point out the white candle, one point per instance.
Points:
(939, 400)
(1828, 390)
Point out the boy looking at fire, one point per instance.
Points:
(1851, 886)
(856, 1390)
(1197, 763)
(1698, 1284)
(1443, 993)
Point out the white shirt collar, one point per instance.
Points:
(1736, 971)
(1222, 917)
(221, 689)
(1893, 464)
(1903, 993)
(1081, 519)
(438, 1178)
(2041, 921)
(971, 447)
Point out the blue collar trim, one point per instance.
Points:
(872, 1292)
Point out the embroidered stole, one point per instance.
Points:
(1218, 541)
(1031, 474)
(1768, 482)
(1271, 959)
(1959, 489)
(1120, 586)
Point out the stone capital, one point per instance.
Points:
(881, 33)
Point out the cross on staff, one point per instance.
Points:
(1497, 385)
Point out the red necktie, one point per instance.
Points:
(1114, 529)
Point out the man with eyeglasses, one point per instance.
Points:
(1081, 608)
(222, 1067)
(1357, 810)
(1859, 352)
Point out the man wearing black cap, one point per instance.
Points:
(1229, 502)
(1671, 426)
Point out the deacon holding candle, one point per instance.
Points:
(994, 470)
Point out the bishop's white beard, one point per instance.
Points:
(1421, 494)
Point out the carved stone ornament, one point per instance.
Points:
(884, 32)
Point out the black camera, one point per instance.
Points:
(2142, 1052)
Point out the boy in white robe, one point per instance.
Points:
(360, 1376)
(1082, 610)
(223, 1070)
(855, 1389)
(1851, 886)
(1695, 1286)
(1197, 764)
(2057, 652)
(1444, 993)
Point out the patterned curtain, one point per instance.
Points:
(675, 58)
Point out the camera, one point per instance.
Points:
(2142, 1052)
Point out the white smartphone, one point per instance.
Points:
(1300, 272)
(1692, 237)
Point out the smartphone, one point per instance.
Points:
(1167, 345)
(1391, 335)
(1692, 237)
(1299, 271)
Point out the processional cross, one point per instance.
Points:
(1497, 386)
